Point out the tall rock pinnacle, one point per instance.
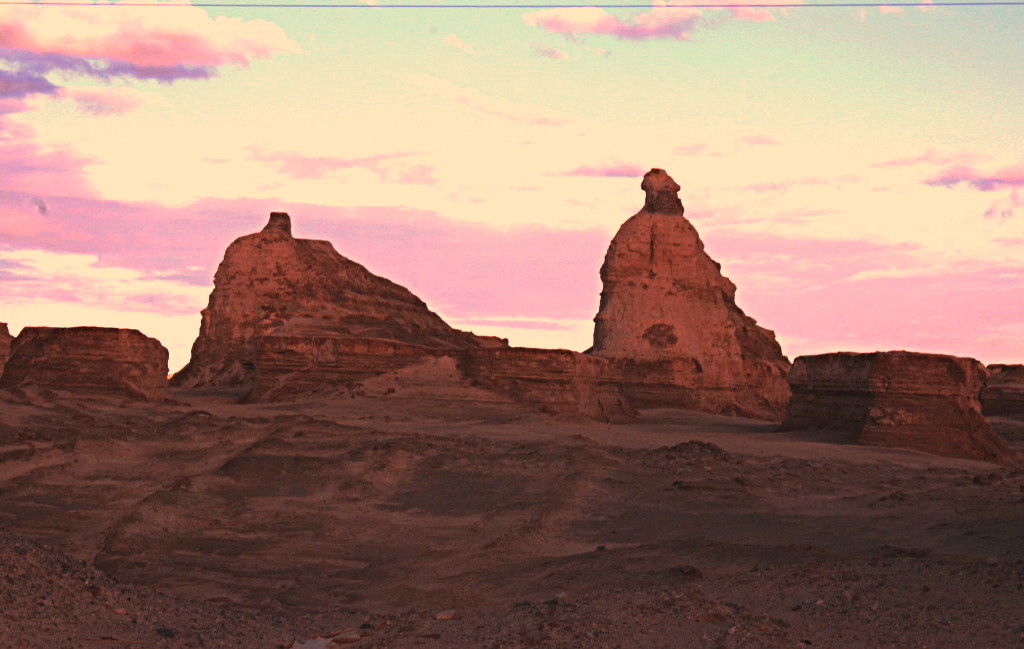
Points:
(272, 283)
(670, 315)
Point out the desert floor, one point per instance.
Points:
(392, 517)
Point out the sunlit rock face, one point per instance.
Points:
(87, 361)
(270, 282)
(671, 318)
(1003, 395)
(925, 402)
(5, 345)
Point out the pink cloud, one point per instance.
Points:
(105, 101)
(314, 167)
(616, 170)
(473, 99)
(888, 9)
(757, 140)
(145, 37)
(786, 185)
(933, 157)
(1006, 177)
(662, 21)
(549, 52)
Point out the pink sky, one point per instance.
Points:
(857, 172)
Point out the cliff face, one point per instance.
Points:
(270, 282)
(671, 317)
(1003, 395)
(5, 345)
(925, 402)
(88, 360)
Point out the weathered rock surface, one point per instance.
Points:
(925, 402)
(1003, 395)
(5, 345)
(271, 282)
(671, 317)
(550, 381)
(88, 360)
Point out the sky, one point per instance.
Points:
(857, 171)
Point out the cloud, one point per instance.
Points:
(549, 52)
(146, 37)
(785, 185)
(888, 9)
(757, 140)
(305, 167)
(522, 112)
(661, 21)
(933, 157)
(615, 170)
(109, 100)
(15, 85)
(1006, 177)
(457, 43)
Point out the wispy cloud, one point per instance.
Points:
(547, 52)
(1006, 177)
(306, 167)
(661, 21)
(475, 100)
(613, 170)
(933, 157)
(757, 140)
(457, 43)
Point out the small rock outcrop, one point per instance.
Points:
(900, 399)
(272, 283)
(87, 361)
(670, 318)
(5, 345)
(1003, 395)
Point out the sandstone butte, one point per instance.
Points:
(1003, 395)
(270, 282)
(87, 361)
(5, 345)
(900, 399)
(291, 318)
(669, 318)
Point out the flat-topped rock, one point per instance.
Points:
(670, 316)
(270, 282)
(5, 345)
(87, 361)
(924, 402)
(1003, 395)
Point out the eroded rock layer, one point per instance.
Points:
(5, 345)
(87, 360)
(1003, 395)
(671, 317)
(271, 282)
(925, 402)
(551, 381)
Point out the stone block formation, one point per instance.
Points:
(670, 319)
(87, 361)
(5, 345)
(1003, 395)
(924, 402)
(272, 283)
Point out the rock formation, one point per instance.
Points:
(670, 318)
(5, 345)
(1003, 395)
(925, 402)
(271, 282)
(87, 360)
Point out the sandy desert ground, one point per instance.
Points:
(389, 517)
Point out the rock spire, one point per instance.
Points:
(670, 315)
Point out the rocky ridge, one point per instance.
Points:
(87, 360)
(925, 402)
(670, 318)
(272, 283)
(1003, 395)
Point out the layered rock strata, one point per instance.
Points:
(670, 319)
(1003, 395)
(550, 381)
(270, 282)
(5, 345)
(925, 402)
(88, 361)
